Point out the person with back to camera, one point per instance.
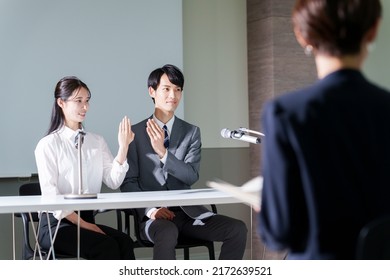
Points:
(57, 163)
(326, 154)
(155, 165)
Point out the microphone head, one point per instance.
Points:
(80, 135)
(225, 133)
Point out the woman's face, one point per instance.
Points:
(75, 108)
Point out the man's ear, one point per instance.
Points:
(152, 92)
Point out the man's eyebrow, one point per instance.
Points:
(171, 86)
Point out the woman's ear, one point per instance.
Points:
(60, 102)
(373, 32)
(302, 41)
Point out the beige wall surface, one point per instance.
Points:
(215, 66)
(378, 61)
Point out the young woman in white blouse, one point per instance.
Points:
(57, 162)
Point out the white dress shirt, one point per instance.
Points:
(57, 163)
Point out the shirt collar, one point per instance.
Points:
(68, 132)
(169, 124)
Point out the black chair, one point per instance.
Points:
(374, 240)
(183, 242)
(31, 219)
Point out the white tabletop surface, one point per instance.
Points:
(118, 200)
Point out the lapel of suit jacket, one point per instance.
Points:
(176, 135)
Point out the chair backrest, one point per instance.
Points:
(27, 218)
(30, 189)
(374, 240)
(183, 242)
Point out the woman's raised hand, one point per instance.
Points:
(125, 134)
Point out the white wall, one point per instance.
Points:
(111, 45)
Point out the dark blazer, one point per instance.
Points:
(146, 172)
(326, 166)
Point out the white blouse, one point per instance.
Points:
(57, 163)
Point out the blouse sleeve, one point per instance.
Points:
(113, 172)
(46, 160)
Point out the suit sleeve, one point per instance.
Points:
(130, 182)
(282, 206)
(186, 170)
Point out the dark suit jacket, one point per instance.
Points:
(146, 172)
(326, 166)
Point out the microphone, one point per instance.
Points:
(239, 135)
(79, 140)
(247, 130)
(80, 135)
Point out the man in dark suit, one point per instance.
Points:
(165, 155)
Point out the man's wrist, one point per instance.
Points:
(163, 159)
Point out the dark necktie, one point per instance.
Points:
(166, 137)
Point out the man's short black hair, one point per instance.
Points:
(174, 74)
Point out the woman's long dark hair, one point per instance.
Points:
(64, 89)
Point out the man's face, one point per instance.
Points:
(167, 95)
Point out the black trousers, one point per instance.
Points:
(114, 245)
(164, 234)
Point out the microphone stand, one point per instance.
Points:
(80, 195)
(246, 130)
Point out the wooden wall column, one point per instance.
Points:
(276, 64)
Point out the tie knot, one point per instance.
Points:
(166, 137)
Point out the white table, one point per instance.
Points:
(17, 204)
